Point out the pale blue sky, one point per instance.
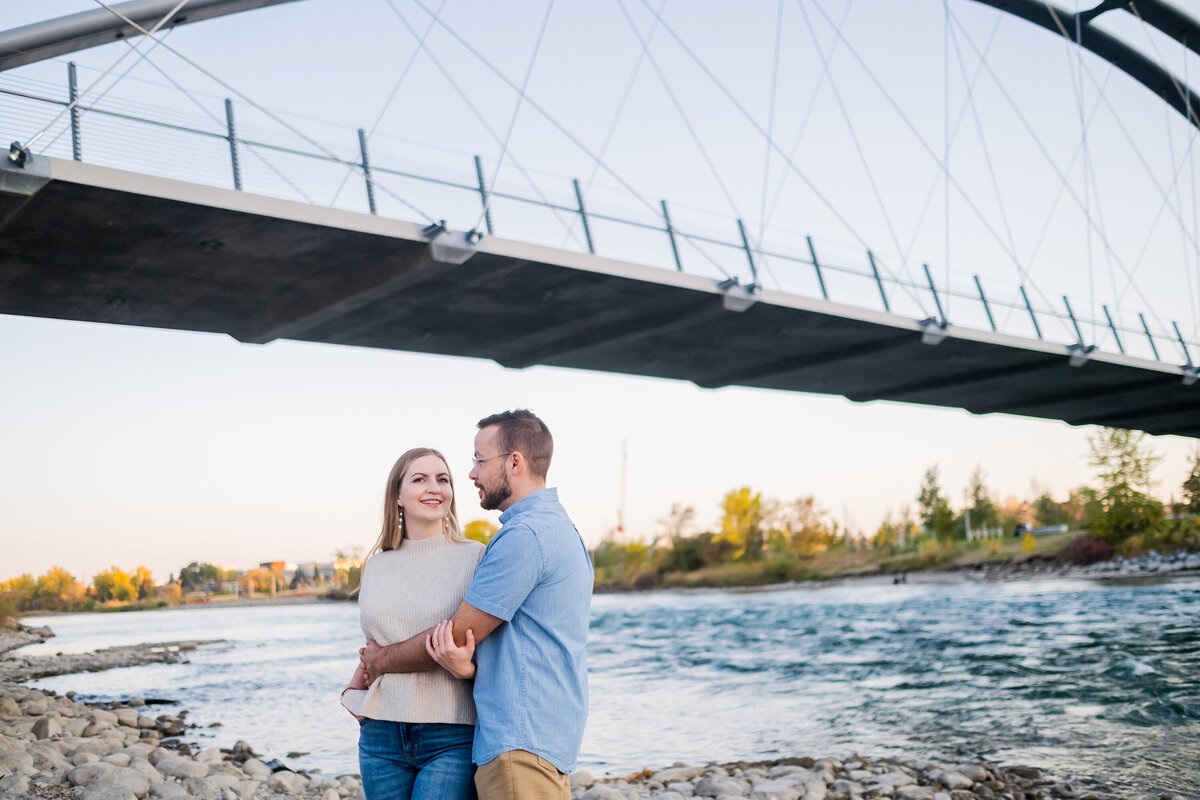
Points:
(135, 446)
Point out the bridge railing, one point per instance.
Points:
(111, 131)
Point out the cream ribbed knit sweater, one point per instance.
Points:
(405, 591)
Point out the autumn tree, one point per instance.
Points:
(114, 584)
(480, 530)
(741, 522)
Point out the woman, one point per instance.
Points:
(415, 729)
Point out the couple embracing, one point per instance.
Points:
(473, 678)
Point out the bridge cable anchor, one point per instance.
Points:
(737, 297)
(1080, 354)
(451, 247)
(1190, 374)
(19, 155)
(933, 330)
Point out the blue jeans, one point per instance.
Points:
(416, 761)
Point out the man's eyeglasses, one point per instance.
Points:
(475, 462)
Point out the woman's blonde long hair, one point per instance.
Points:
(394, 531)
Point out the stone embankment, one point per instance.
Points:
(1150, 565)
(57, 747)
(831, 779)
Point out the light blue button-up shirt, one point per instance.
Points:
(531, 686)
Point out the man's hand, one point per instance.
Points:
(439, 643)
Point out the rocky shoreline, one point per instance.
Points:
(1152, 564)
(56, 747)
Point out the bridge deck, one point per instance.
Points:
(87, 243)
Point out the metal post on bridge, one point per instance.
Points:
(73, 97)
(1074, 322)
(749, 252)
(587, 229)
(671, 236)
(878, 281)
(937, 300)
(1150, 336)
(366, 168)
(986, 307)
(812, 251)
(1182, 343)
(483, 196)
(231, 135)
(1112, 327)
(1029, 307)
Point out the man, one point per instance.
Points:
(528, 609)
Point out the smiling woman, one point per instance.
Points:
(416, 728)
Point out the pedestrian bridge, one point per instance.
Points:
(90, 243)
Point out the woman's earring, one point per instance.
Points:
(446, 523)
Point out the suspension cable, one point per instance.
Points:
(479, 116)
(537, 48)
(388, 103)
(612, 128)
(265, 111)
(71, 106)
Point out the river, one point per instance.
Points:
(1082, 678)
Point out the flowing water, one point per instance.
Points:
(1081, 678)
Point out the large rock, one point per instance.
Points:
(107, 791)
(9, 709)
(15, 760)
(581, 779)
(913, 792)
(952, 779)
(602, 791)
(777, 789)
(169, 791)
(46, 726)
(14, 786)
(287, 782)
(182, 768)
(256, 769)
(209, 754)
(147, 769)
(124, 777)
(718, 785)
(678, 773)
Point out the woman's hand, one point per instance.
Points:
(442, 649)
(357, 681)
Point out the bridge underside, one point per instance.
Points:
(87, 243)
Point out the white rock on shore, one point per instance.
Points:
(57, 747)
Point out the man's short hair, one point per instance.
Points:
(522, 431)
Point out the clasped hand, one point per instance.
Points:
(440, 646)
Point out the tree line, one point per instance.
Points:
(761, 539)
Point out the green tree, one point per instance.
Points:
(982, 508)
(480, 530)
(199, 575)
(934, 509)
(1048, 511)
(1191, 485)
(1124, 464)
(741, 522)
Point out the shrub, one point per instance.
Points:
(1088, 550)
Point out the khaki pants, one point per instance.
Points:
(521, 775)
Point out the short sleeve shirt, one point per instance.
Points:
(531, 687)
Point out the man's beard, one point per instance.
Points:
(494, 497)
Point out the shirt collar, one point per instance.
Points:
(528, 502)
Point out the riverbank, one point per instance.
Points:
(55, 746)
(973, 564)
